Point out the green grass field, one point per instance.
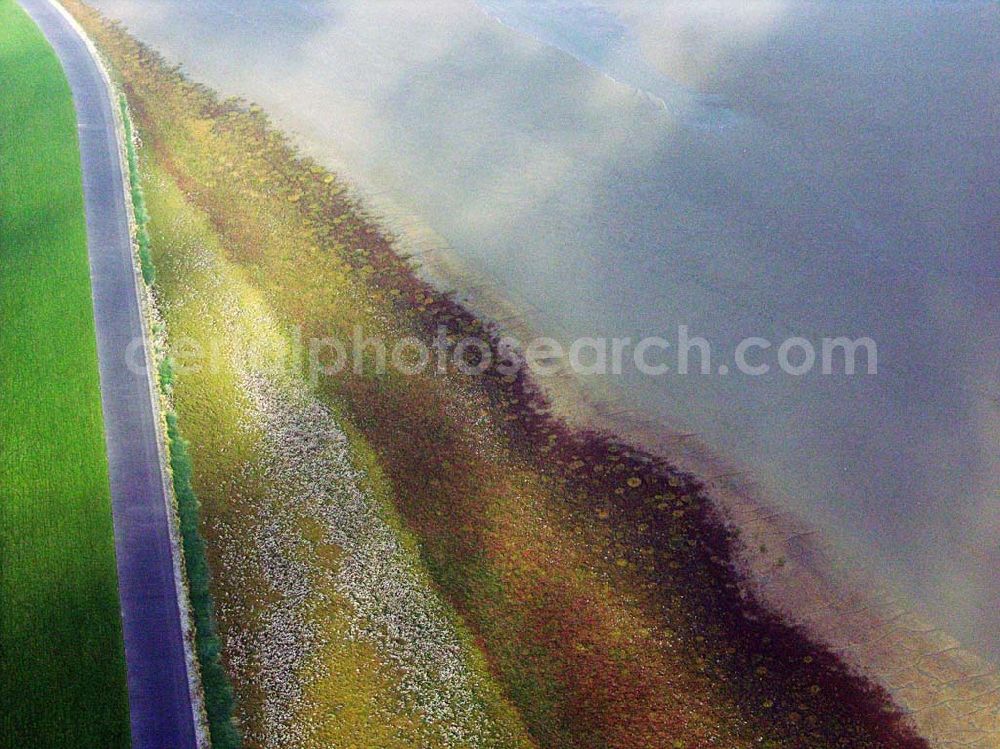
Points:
(62, 676)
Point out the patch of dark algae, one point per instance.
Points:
(663, 523)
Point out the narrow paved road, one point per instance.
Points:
(159, 696)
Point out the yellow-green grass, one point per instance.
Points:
(356, 695)
(62, 676)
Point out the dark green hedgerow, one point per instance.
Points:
(218, 693)
(138, 202)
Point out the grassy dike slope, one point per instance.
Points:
(62, 676)
(431, 560)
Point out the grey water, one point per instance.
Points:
(774, 169)
(599, 39)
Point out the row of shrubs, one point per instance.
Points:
(219, 702)
(138, 202)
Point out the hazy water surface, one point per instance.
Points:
(769, 169)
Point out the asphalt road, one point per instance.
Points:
(159, 695)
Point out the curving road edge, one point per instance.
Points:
(164, 704)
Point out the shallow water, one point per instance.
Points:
(811, 169)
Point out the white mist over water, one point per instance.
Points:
(763, 169)
(599, 39)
